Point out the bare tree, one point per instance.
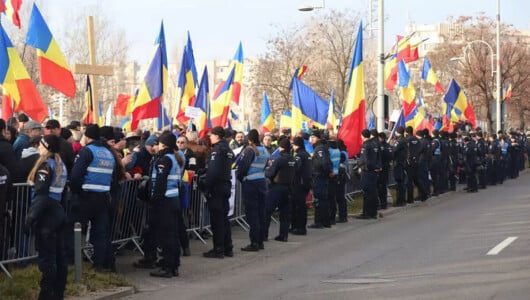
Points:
(474, 72)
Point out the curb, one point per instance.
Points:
(115, 293)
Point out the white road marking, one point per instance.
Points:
(497, 249)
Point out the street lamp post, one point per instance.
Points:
(381, 68)
(499, 88)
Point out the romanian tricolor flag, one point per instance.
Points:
(227, 91)
(353, 120)
(16, 82)
(507, 93)
(187, 81)
(202, 102)
(155, 84)
(428, 75)
(418, 118)
(88, 117)
(54, 70)
(456, 99)
(267, 121)
(11, 10)
(332, 117)
(407, 90)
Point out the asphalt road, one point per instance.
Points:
(456, 246)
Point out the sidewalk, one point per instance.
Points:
(196, 268)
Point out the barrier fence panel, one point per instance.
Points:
(17, 246)
(195, 210)
(129, 215)
(239, 208)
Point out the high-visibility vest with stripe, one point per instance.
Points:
(57, 185)
(99, 172)
(257, 167)
(173, 178)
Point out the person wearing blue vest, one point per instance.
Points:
(46, 217)
(93, 175)
(334, 156)
(251, 174)
(166, 173)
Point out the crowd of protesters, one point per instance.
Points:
(76, 171)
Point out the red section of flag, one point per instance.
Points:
(350, 130)
(120, 109)
(31, 102)
(7, 106)
(146, 111)
(54, 75)
(469, 113)
(2, 6)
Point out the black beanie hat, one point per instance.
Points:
(316, 133)
(253, 136)
(219, 131)
(365, 133)
(106, 132)
(168, 139)
(299, 141)
(400, 130)
(92, 131)
(285, 143)
(51, 142)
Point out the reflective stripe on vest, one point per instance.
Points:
(99, 173)
(173, 178)
(256, 170)
(334, 156)
(57, 186)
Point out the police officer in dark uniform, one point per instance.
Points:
(166, 171)
(215, 182)
(47, 218)
(320, 182)
(470, 164)
(482, 149)
(93, 174)
(413, 152)
(369, 164)
(493, 157)
(436, 168)
(452, 157)
(444, 175)
(250, 172)
(341, 183)
(424, 159)
(301, 187)
(334, 156)
(386, 153)
(280, 175)
(400, 163)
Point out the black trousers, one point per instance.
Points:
(299, 215)
(320, 200)
(369, 187)
(253, 192)
(278, 196)
(52, 263)
(218, 207)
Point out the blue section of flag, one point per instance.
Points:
(309, 102)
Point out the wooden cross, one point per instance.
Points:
(92, 69)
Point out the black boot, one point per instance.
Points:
(145, 263)
(165, 273)
(253, 247)
(214, 254)
(186, 252)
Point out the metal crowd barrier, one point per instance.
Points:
(16, 245)
(129, 217)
